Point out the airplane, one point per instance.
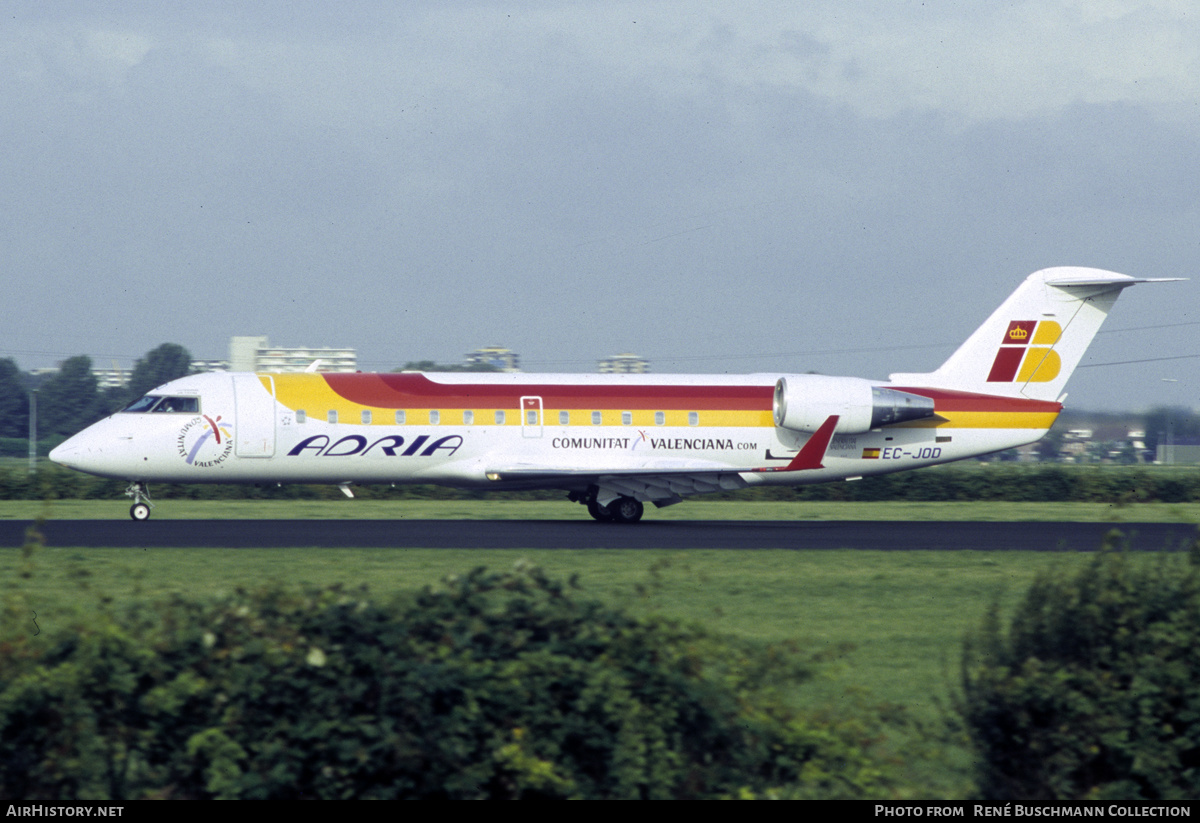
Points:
(612, 442)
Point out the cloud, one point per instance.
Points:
(368, 67)
(969, 62)
(407, 177)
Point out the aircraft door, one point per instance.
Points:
(531, 417)
(254, 415)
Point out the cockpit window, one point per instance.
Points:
(160, 403)
(142, 404)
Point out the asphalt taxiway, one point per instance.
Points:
(575, 534)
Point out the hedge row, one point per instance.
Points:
(500, 686)
(1090, 692)
(1116, 484)
(1022, 483)
(510, 686)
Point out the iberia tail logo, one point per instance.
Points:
(1026, 353)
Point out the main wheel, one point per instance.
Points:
(602, 513)
(626, 510)
(139, 511)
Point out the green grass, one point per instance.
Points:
(904, 612)
(563, 510)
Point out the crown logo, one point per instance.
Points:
(1018, 333)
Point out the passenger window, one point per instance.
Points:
(468, 417)
(626, 418)
(596, 418)
(500, 417)
(366, 417)
(660, 418)
(301, 416)
(332, 416)
(531, 417)
(693, 418)
(434, 417)
(399, 417)
(564, 418)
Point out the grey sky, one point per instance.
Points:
(845, 187)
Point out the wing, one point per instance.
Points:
(659, 485)
(664, 482)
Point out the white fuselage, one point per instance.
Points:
(250, 429)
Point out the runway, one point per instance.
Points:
(574, 534)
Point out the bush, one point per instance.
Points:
(498, 686)
(1091, 693)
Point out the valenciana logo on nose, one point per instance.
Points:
(204, 441)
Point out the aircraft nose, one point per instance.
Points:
(88, 451)
(101, 449)
(69, 453)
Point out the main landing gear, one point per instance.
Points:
(621, 510)
(140, 510)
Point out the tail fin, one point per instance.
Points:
(1031, 344)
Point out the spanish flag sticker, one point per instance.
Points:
(870, 454)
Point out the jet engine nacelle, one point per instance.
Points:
(804, 401)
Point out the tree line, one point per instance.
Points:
(71, 399)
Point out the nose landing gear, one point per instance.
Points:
(140, 510)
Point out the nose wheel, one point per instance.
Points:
(140, 510)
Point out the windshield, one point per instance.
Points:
(161, 403)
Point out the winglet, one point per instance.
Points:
(813, 452)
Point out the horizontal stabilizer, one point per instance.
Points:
(1119, 281)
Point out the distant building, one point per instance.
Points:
(1181, 451)
(1137, 445)
(201, 366)
(118, 378)
(114, 378)
(243, 352)
(257, 354)
(624, 364)
(495, 356)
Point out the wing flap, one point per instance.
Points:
(666, 489)
(645, 484)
